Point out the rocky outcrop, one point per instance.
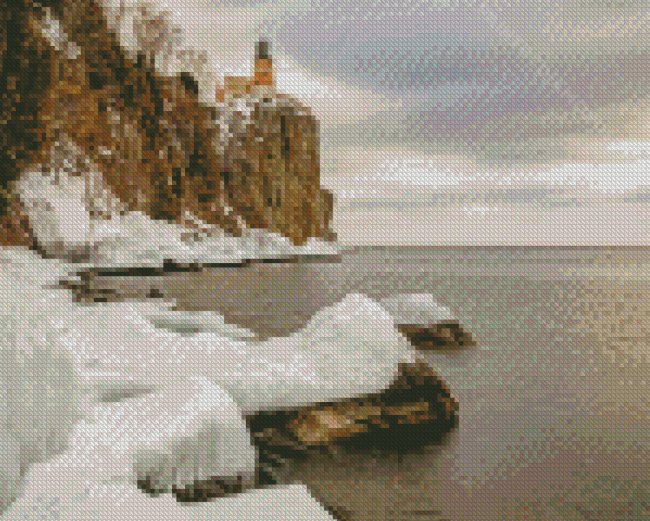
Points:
(272, 169)
(426, 324)
(270, 144)
(25, 76)
(147, 134)
(450, 336)
(160, 150)
(416, 409)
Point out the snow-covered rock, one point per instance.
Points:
(186, 433)
(82, 485)
(182, 382)
(81, 204)
(39, 390)
(347, 349)
(425, 323)
(61, 198)
(416, 309)
(190, 429)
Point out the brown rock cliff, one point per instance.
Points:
(159, 149)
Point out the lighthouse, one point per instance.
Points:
(261, 84)
(263, 75)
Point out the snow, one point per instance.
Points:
(10, 480)
(38, 398)
(416, 309)
(137, 240)
(180, 384)
(347, 349)
(185, 433)
(60, 492)
(92, 481)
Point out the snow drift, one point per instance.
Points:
(189, 377)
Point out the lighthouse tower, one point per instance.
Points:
(263, 75)
(261, 84)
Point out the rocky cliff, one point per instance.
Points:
(251, 163)
(271, 167)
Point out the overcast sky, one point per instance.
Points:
(473, 122)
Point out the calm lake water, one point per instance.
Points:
(553, 400)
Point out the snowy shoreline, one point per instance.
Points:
(553, 407)
(503, 391)
(118, 348)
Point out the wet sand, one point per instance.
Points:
(582, 454)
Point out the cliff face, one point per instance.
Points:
(147, 134)
(24, 78)
(272, 167)
(159, 149)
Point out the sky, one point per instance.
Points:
(467, 123)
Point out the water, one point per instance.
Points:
(553, 400)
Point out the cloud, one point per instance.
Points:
(512, 107)
(470, 75)
(443, 77)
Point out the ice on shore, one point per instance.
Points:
(91, 479)
(55, 198)
(39, 393)
(348, 349)
(189, 432)
(59, 354)
(137, 240)
(192, 427)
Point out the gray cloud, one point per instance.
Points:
(474, 78)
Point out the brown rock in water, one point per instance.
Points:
(441, 336)
(415, 410)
